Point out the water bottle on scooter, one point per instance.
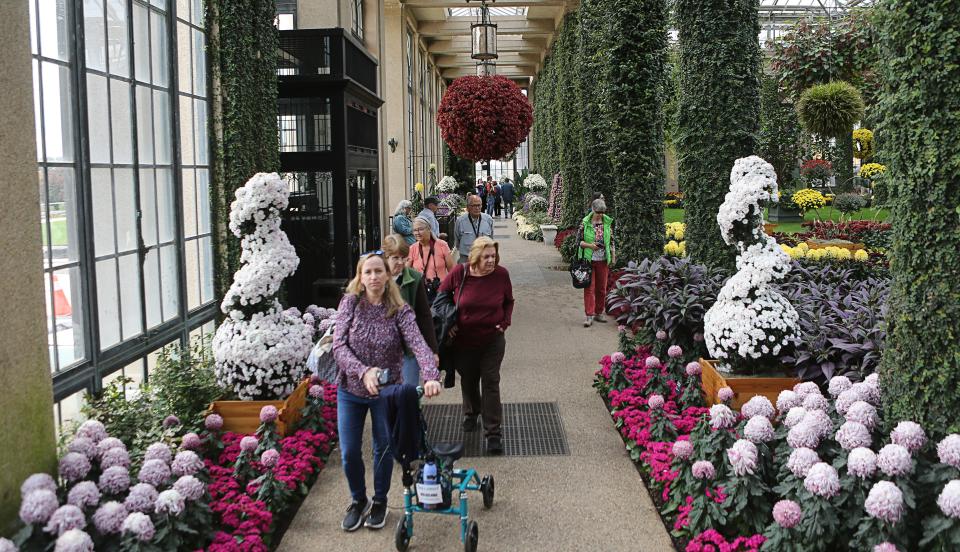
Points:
(430, 478)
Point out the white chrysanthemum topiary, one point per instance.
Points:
(750, 320)
(447, 185)
(260, 349)
(535, 183)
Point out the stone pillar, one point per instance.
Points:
(26, 395)
(393, 113)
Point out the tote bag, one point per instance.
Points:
(581, 271)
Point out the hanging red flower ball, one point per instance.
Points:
(484, 118)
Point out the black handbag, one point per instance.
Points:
(581, 271)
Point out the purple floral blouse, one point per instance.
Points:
(374, 341)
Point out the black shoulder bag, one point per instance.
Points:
(433, 284)
(581, 271)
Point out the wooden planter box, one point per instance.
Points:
(814, 244)
(778, 213)
(744, 387)
(244, 416)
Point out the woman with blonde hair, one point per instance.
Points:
(373, 327)
(483, 294)
(429, 256)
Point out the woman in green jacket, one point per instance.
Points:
(395, 251)
(598, 247)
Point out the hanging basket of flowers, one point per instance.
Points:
(484, 118)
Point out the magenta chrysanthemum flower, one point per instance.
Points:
(949, 499)
(886, 547)
(661, 335)
(36, 482)
(885, 502)
(154, 472)
(38, 506)
(758, 406)
(139, 525)
(794, 416)
(805, 434)
(862, 462)
(73, 540)
(721, 417)
(693, 369)
(674, 351)
(838, 384)
(682, 449)
(655, 402)
(114, 480)
(141, 498)
(65, 518)
(189, 487)
(822, 480)
(169, 502)
(816, 402)
(315, 391)
(115, 457)
(787, 399)
(621, 328)
(864, 413)
(108, 519)
(84, 446)
(787, 513)
(268, 414)
(743, 457)
(248, 443)
(758, 429)
(725, 394)
(158, 451)
(74, 466)
(652, 363)
(191, 441)
(269, 458)
(93, 430)
(171, 421)
(703, 469)
(186, 463)
(894, 460)
(213, 422)
(852, 435)
(84, 494)
(806, 388)
(801, 460)
(948, 450)
(618, 357)
(845, 400)
(110, 443)
(868, 392)
(909, 435)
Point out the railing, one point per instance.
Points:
(312, 52)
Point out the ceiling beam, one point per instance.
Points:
(505, 58)
(504, 70)
(475, 4)
(462, 45)
(542, 27)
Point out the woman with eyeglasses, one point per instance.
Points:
(429, 256)
(374, 326)
(598, 247)
(401, 220)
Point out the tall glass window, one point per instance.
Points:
(411, 139)
(356, 12)
(422, 94)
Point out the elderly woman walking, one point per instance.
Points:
(374, 326)
(484, 297)
(429, 256)
(597, 246)
(401, 220)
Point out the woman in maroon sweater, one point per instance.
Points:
(484, 309)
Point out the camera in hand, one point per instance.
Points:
(383, 377)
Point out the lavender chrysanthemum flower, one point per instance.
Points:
(315, 391)
(139, 525)
(872, 379)
(910, 435)
(698, 337)
(269, 458)
(725, 394)
(693, 369)
(852, 435)
(821, 420)
(801, 460)
(268, 414)
(621, 328)
(886, 547)
(652, 363)
(787, 399)
(115, 457)
(845, 400)
(38, 506)
(189, 487)
(661, 335)
(655, 402)
(73, 540)
(721, 417)
(154, 472)
(109, 443)
(114, 480)
(618, 357)
(894, 460)
(862, 412)
(759, 429)
(948, 450)
(141, 498)
(74, 466)
(822, 480)
(186, 463)
(682, 449)
(84, 446)
(108, 519)
(213, 422)
(171, 421)
(804, 435)
(675, 351)
(885, 502)
(838, 384)
(703, 469)
(949, 499)
(743, 457)
(191, 441)
(37, 481)
(83, 494)
(816, 402)
(794, 416)
(158, 451)
(787, 513)
(248, 443)
(758, 406)
(862, 462)
(868, 392)
(65, 518)
(6, 545)
(93, 430)
(806, 388)
(170, 502)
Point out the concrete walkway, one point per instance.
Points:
(591, 500)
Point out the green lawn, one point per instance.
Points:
(827, 213)
(58, 228)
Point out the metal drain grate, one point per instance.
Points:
(529, 429)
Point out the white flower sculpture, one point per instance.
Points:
(260, 349)
(447, 185)
(750, 320)
(535, 183)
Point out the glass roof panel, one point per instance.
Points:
(494, 12)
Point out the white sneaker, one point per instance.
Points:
(588, 322)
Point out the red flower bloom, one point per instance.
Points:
(484, 118)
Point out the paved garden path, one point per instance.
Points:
(592, 499)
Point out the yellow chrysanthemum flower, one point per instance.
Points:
(861, 255)
(418, 187)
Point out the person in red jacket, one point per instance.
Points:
(484, 310)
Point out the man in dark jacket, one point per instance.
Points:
(506, 194)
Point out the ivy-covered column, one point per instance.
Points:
(633, 98)
(242, 49)
(919, 137)
(569, 126)
(594, 163)
(718, 111)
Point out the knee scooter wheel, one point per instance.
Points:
(473, 536)
(487, 490)
(401, 537)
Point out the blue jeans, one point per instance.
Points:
(351, 415)
(411, 370)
